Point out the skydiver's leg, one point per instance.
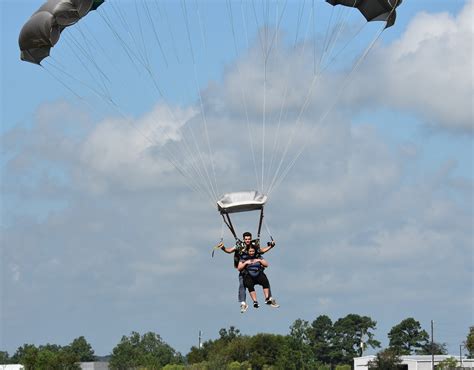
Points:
(263, 281)
(241, 289)
(253, 295)
(250, 285)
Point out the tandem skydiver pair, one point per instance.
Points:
(251, 265)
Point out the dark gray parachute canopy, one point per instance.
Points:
(373, 10)
(41, 32)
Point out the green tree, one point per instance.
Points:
(408, 337)
(46, 357)
(447, 363)
(320, 335)
(296, 352)
(265, 350)
(229, 335)
(435, 348)
(82, 349)
(470, 342)
(349, 333)
(148, 351)
(26, 355)
(4, 358)
(386, 359)
(230, 347)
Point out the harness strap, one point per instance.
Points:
(228, 222)
(260, 224)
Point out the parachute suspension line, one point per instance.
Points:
(63, 71)
(268, 49)
(297, 123)
(185, 13)
(285, 95)
(189, 152)
(201, 26)
(222, 231)
(323, 117)
(146, 59)
(164, 15)
(193, 175)
(195, 168)
(313, 13)
(268, 230)
(342, 24)
(278, 23)
(334, 57)
(62, 83)
(264, 46)
(155, 32)
(88, 43)
(175, 164)
(131, 55)
(242, 90)
(190, 180)
(118, 12)
(87, 54)
(299, 20)
(214, 185)
(264, 117)
(244, 22)
(212, 182)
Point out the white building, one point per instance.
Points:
(415, 362)
(102, 365)
(84, 366)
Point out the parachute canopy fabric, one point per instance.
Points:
(373, 10)
(242, 201)
(41, 32)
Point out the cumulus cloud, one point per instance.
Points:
(120, 150)
(428, 70)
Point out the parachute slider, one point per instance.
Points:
(242, 201)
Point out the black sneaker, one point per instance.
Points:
(271, 302)
(255, 304)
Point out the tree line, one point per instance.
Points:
(321, 344)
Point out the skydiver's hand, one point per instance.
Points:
(271, 244)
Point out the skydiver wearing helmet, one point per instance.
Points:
(240, 251)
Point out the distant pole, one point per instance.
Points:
(460, 354)
(432, 347)
(200, 336)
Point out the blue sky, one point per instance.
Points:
(101, 235)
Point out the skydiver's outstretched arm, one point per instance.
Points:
(227, 249)
(269, 246)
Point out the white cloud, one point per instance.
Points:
(120, 151)
(428, 70)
